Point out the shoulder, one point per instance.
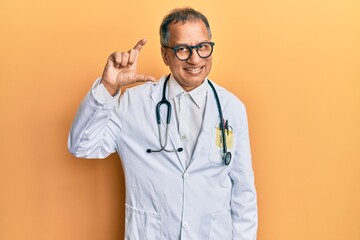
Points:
(233, 108)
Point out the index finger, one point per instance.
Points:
(140, 44)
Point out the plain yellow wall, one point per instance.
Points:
(295, 64)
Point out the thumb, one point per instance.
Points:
(144, 78)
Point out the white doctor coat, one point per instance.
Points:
(164, 199)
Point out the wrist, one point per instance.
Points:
(112, 90)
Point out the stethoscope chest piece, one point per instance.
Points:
(227, 158)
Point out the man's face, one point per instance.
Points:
(192, 72)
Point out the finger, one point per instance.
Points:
(117, 56)
(140, 44)
(124, 59)
(132, 56)
(111, 62)
(144, 78)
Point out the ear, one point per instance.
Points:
(164, 56)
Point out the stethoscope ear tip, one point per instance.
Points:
(180, 149)
(148, 151)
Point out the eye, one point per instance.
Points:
(203, 46)
(182, 49)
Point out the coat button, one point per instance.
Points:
(186, 175)
(185, 224)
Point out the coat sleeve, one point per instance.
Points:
(243, 199)
(94, 129)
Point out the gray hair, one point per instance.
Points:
(180, 15)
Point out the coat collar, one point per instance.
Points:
(198, 95)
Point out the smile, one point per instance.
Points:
(194, 70)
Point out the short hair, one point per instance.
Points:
(180, 15)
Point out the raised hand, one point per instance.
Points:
(121, 69)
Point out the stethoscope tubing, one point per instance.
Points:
(226, 156)
(222, 129)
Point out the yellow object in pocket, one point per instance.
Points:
(229, 138)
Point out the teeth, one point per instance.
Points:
(193, 69)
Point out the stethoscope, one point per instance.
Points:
(226, 156)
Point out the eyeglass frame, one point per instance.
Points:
(196, 47)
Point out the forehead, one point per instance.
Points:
(190, 32)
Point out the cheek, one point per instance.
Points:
(209, 64)
(209, 61)
(176, 65)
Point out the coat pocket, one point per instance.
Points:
(216, 145)
(142, 225)
(221, 226)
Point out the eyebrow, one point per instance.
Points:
(184, 44)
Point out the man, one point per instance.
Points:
(188, 176)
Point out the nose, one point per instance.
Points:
(194, 58)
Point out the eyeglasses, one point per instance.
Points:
(184, 52)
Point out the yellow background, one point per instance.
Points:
(295, 64)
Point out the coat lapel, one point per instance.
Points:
(211, 117)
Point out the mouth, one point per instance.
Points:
(194, 70)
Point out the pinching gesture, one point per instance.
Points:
(121, 69)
